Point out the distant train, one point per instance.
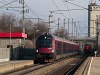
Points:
(50, 47)
(89, 49)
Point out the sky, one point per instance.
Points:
(42, 8)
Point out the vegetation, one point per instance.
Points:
(10, 23)
(61, 33)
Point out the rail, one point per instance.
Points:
(84, 68)
(40, 69)
(22, 70)
(72, 70)
(50, 68)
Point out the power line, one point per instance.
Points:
(76, 5)
(69, 12)
(74, 9)
(2, 2)
(8, 3)
(33, 12)
(58, 8)
(70, 9)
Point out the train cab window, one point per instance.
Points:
(44, 41)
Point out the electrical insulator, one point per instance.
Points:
(21, 1)
(27, 10)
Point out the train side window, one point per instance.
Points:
(56, 44)
(59, 47)
(64, 48)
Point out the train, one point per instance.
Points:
(89, 49)
(50, 47)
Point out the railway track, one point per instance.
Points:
(43, 69)
(74, 68)
(23, 70)
(68, 69)
(83, 69)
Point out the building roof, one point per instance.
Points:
(12, 35)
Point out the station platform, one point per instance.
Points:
(94, 68)
(10, 65)
(91, 66)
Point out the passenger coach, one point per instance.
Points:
(50, 47)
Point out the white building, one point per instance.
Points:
(93, 13)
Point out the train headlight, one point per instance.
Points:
(37, 50)
(53, 50)
(45, 37)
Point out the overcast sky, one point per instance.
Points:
(41, 8)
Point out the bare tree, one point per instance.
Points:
(7, 20)
(29, 44)
(9, 23)
(38, 29)
(61, 33)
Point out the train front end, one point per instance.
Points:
(45, 47)
(88, 49)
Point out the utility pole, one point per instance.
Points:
(97, 32)
(64, 28)
(38, 20)
(49, 22)
(58, 25)
(68, 27)
(23, 28)
(76, 30)
(10, 37)
(72, 28)
(23, 13)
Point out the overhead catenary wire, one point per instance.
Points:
(77, 5)
(8, 3)
(4, 2)
(34, 13)
(69, 12)
(58, 8)
(83, 8)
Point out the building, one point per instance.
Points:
(11, 39)
(9, 45)
(93, 13)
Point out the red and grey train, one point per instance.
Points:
(89, 49)
(51, 47)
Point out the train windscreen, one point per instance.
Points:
(44, 41)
